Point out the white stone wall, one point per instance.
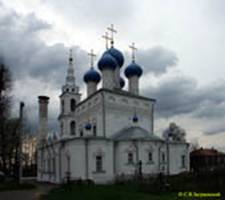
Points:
(117, 77)
(149, 167)
(176, 150)
(91, 88)
(104, 148)
(134, 85)
(115, 161)
(108, 78)
(110, 113)
(120, 111)
(140, 151)
(90, 111)
(76, 150)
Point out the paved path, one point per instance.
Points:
(26, 194)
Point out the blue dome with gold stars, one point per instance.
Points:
(92, 76)
(133, 70)
(116, 54)
(107, 61)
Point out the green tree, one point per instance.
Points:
(5, 107)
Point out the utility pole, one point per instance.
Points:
(21, 142)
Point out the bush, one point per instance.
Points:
(213, 181)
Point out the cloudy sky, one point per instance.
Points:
(181, 47)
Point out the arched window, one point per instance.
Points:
(72, 105)
(94, 130)
(150, 156)
(72, 127)
(98, 162)
(183, 164)
(163, 157)
(130, 158)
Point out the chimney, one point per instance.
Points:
(43, 117)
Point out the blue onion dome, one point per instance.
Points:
(117, 55)
(107, 61)
(135, 118)
(88, 126)
(92, 76)
(133, 70)
(122, 82)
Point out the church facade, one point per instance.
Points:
(108, 134)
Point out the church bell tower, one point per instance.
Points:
(69, 98)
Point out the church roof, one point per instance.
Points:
(135, 132)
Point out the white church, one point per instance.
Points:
(108, 134)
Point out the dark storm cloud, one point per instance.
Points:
(27, 55)
(34, 64)
(215, 130)
(157, 60)
(181, 95)
(174, 96)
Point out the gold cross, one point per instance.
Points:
(92, 55)
(107, 38)
(133, 49)
(112, 30)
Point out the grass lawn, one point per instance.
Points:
(105, 192)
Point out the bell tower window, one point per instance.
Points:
(72, 105)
